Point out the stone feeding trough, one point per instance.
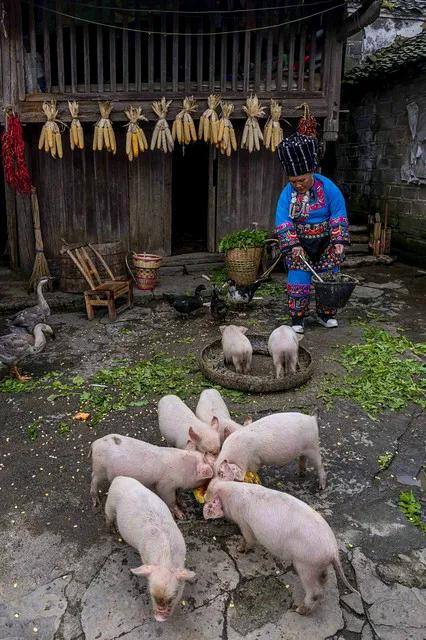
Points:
(262, 378)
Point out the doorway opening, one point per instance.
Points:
(190, 193)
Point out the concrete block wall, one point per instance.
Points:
(373, 144)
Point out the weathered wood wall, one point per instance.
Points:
(97, 197)
(248, 186)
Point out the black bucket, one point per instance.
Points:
(335, 292)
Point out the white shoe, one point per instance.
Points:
(329, 324)
(298, 328)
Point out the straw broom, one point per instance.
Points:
(40, 268)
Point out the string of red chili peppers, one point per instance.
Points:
(16, 171)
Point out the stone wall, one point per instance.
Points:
(375, 142)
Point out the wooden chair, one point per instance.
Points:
(101, 294)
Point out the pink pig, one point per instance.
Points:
(211, 409)
(182, 429)
(145, 523)
(236, 347)
(287, 527)
(162, 469)
(283, 345)
(275, 439)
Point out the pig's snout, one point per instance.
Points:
(204, 471)
(161, 615)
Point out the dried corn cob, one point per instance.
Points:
(103, 135)
(252, 134)
(183, 128)
(135, 138)
(273, 133)
(226, 140)
(50, 136)
(76, 130)
(161, 136)
(208, 129)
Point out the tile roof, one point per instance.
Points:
(402, 53)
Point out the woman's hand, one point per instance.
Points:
(339, 249)
(296, 252)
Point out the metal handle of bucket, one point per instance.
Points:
(129, 269)
(311, 269)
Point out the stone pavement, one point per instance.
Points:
(64, 577)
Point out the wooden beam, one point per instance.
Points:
(291, 61)
(212, 59)
(100, 57)
(188, 44)
(112, 61)
(246, 77)
(223, 61)
(175, 61)
(279, 82)
(150, 54)
(125, 59)
(20, 56)
(200, 57)
(312, 54)
(301, 61)
(258, 60)
(60, 49)
(86, 48)
(73, 54)
(33, 47)
(234, 73)
(46, 53)
(163, 55)
(269, 46)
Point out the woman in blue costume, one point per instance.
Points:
(310, 221)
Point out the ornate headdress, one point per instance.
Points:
(298, 154)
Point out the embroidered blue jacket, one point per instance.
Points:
(325, 219)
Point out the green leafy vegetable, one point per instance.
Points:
(243, 239)
(384, 372)
(385, 459)
(412, 510)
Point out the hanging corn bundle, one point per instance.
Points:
(76, 130)
(50, 137)
(226, 140)
(208, 129)
(273, 133)
(162, 137)
(252, 134)
(307, 126)
(183, 125)
(103, 135)
(135, 138)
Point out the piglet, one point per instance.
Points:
(287, 527)
(145, 523)
(211, 409)
(182, 429)
(283, 346)
(275, 439)
(236, 347)
(162, 469)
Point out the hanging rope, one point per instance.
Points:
(206, 12)
(185, 33)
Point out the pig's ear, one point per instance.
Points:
(247, 420)
(143, 570)
(237, 472)
(185, 575)
(204, 471)
(222, 328)
(243, 329)
(226, 432)
(190, 446)
(213, 509)
(215, 423)
(194, 436)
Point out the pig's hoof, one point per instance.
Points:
(322, 483)
(178, 513)
(303, 610)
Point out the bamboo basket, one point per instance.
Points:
(242, 265)
(146, 267)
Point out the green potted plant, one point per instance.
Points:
(243, 252)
